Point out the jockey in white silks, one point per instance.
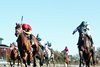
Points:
(48, 51)
(43, 46)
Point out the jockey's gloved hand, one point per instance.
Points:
(73, 32)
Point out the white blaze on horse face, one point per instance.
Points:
(12, 47)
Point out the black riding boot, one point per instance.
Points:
(91, 40)
(79, 41)
(31, 40)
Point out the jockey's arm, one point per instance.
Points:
(29, 32)
(75, 30)
(88, 27)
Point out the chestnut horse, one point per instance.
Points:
(14, 55)
(25, 47)
(66, 59)
(85, 53)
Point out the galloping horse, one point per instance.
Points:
(25, 47)
(14, 55)
(85, 53)
(66, 59)
(49, 56)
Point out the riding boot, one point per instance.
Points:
(79, 41)
(33, 49)
(91, 40)
(31, 39)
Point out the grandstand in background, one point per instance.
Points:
(4, 50)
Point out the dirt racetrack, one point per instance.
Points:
(51, 65)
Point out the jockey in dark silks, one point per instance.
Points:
(84, 28)
(66, 50)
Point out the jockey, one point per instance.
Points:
(81, 29)
(41, 43)
(85, 29)
(28, 30)
(66, 50)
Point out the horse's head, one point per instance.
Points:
(12, 45)
(18, 29)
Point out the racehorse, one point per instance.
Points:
(49, 57)
(14, 55)
(85, 53)
(66, 59)
(27, 51)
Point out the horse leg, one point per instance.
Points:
(53, 62)
(81, 56)
(24, 61)
(48, 64)
(93, 57)
(66, 65)
(88, 63)
(10, 62)
(41, 62)
(41, 59)
(19, 60)
(29, 59)
(34, 61)
(13, 63)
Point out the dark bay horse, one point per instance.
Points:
(27, 51)
(14, 55)
(85, 53)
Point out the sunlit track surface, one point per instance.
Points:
(51, 65)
